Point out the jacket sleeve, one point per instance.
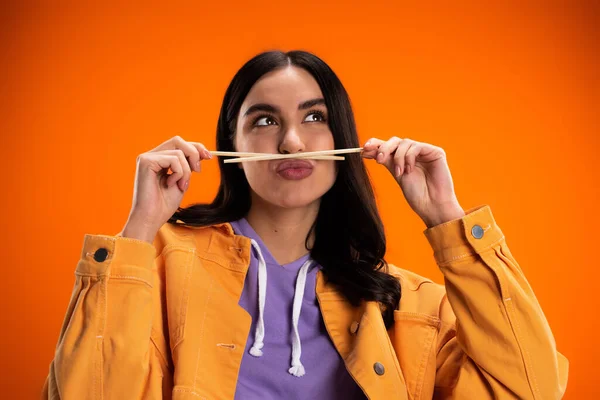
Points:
(104, 349)
(494, 341)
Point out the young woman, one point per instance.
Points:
(278, 288)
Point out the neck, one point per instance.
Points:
(283, 230)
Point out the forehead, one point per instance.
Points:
(286, 87)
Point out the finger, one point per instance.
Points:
(370, 147)
(386, 151)
(202, 151)
(183, 178)
(411, 156)
(185, 166)
(399, 156)
(165, 162)
(170, 144)
(187, 172)
(190, 151)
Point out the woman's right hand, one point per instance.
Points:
(157, 194)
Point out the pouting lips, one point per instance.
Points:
(294, 164)
(295, 169)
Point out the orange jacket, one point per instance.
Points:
(163, 322)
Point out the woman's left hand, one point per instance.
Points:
(423, 174)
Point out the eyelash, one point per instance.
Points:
(261, 116)
(318, 112)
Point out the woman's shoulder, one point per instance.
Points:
(410, 279)
(420, 295)
(198, 237)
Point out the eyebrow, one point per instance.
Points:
(311, 103)
(271, 108)
(261, 107)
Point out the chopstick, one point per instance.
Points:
(234, 153)
(266, 157)
(243, 154)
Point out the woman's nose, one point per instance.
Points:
(291, 142)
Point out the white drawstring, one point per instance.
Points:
(259, 334)
(297, 369)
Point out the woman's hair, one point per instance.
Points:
(349, 240)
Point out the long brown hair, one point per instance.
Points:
(349, 241)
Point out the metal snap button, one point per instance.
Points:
(477, 231)
(100, 254)
(379, 369)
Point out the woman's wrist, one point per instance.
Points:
(135, 229)
(444, 215)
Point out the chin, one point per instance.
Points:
(294, 199)
(299, 194)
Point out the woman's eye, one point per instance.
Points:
(264, 121)
(314, 117)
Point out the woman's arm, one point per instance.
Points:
(105, 349)
(494, 340)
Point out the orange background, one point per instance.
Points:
(510, 92)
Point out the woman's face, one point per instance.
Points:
(285, 113)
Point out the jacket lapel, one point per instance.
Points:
(360, 337)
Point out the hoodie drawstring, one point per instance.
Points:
(259, 334)
(296, 369)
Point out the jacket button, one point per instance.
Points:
(477, 232)
(379, 369)
(100, 254)
(354, 328)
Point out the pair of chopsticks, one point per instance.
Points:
(313, 155)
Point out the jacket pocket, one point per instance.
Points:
(413, 337)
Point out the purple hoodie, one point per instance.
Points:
(319, 371)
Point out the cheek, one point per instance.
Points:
(324, 141)
(266, 143)
(329, 175)
(257, 175)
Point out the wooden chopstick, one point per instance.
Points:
(245, 154)
(235, 154)
(311, 154)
